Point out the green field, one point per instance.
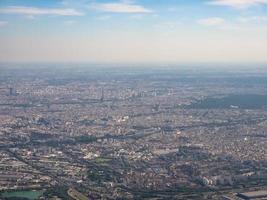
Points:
(31, 194)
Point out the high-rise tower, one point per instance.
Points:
(102, 95)
(10, 91)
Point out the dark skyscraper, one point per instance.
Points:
(102, 95)
(10, 91)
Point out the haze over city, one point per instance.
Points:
(133, 99)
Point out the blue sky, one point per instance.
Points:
(133, 31)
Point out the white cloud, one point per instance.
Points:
(69, 22)
(32, 11)
(238, 3)
(213, 21)
(253, 19)
(104, 17)
(121, 7)
(30, 17)
(3, 23)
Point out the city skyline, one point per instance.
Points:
(133, 31)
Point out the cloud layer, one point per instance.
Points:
(254, 19)
(3, 23)
(23, 10)
(237, 3)
(121, 7)
(213, 21)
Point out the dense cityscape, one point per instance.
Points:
(129, 133)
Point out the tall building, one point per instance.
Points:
(10, 91)
(102, 95)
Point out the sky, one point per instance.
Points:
(133, 31)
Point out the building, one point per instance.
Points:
(10, 91)
(253, 195)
